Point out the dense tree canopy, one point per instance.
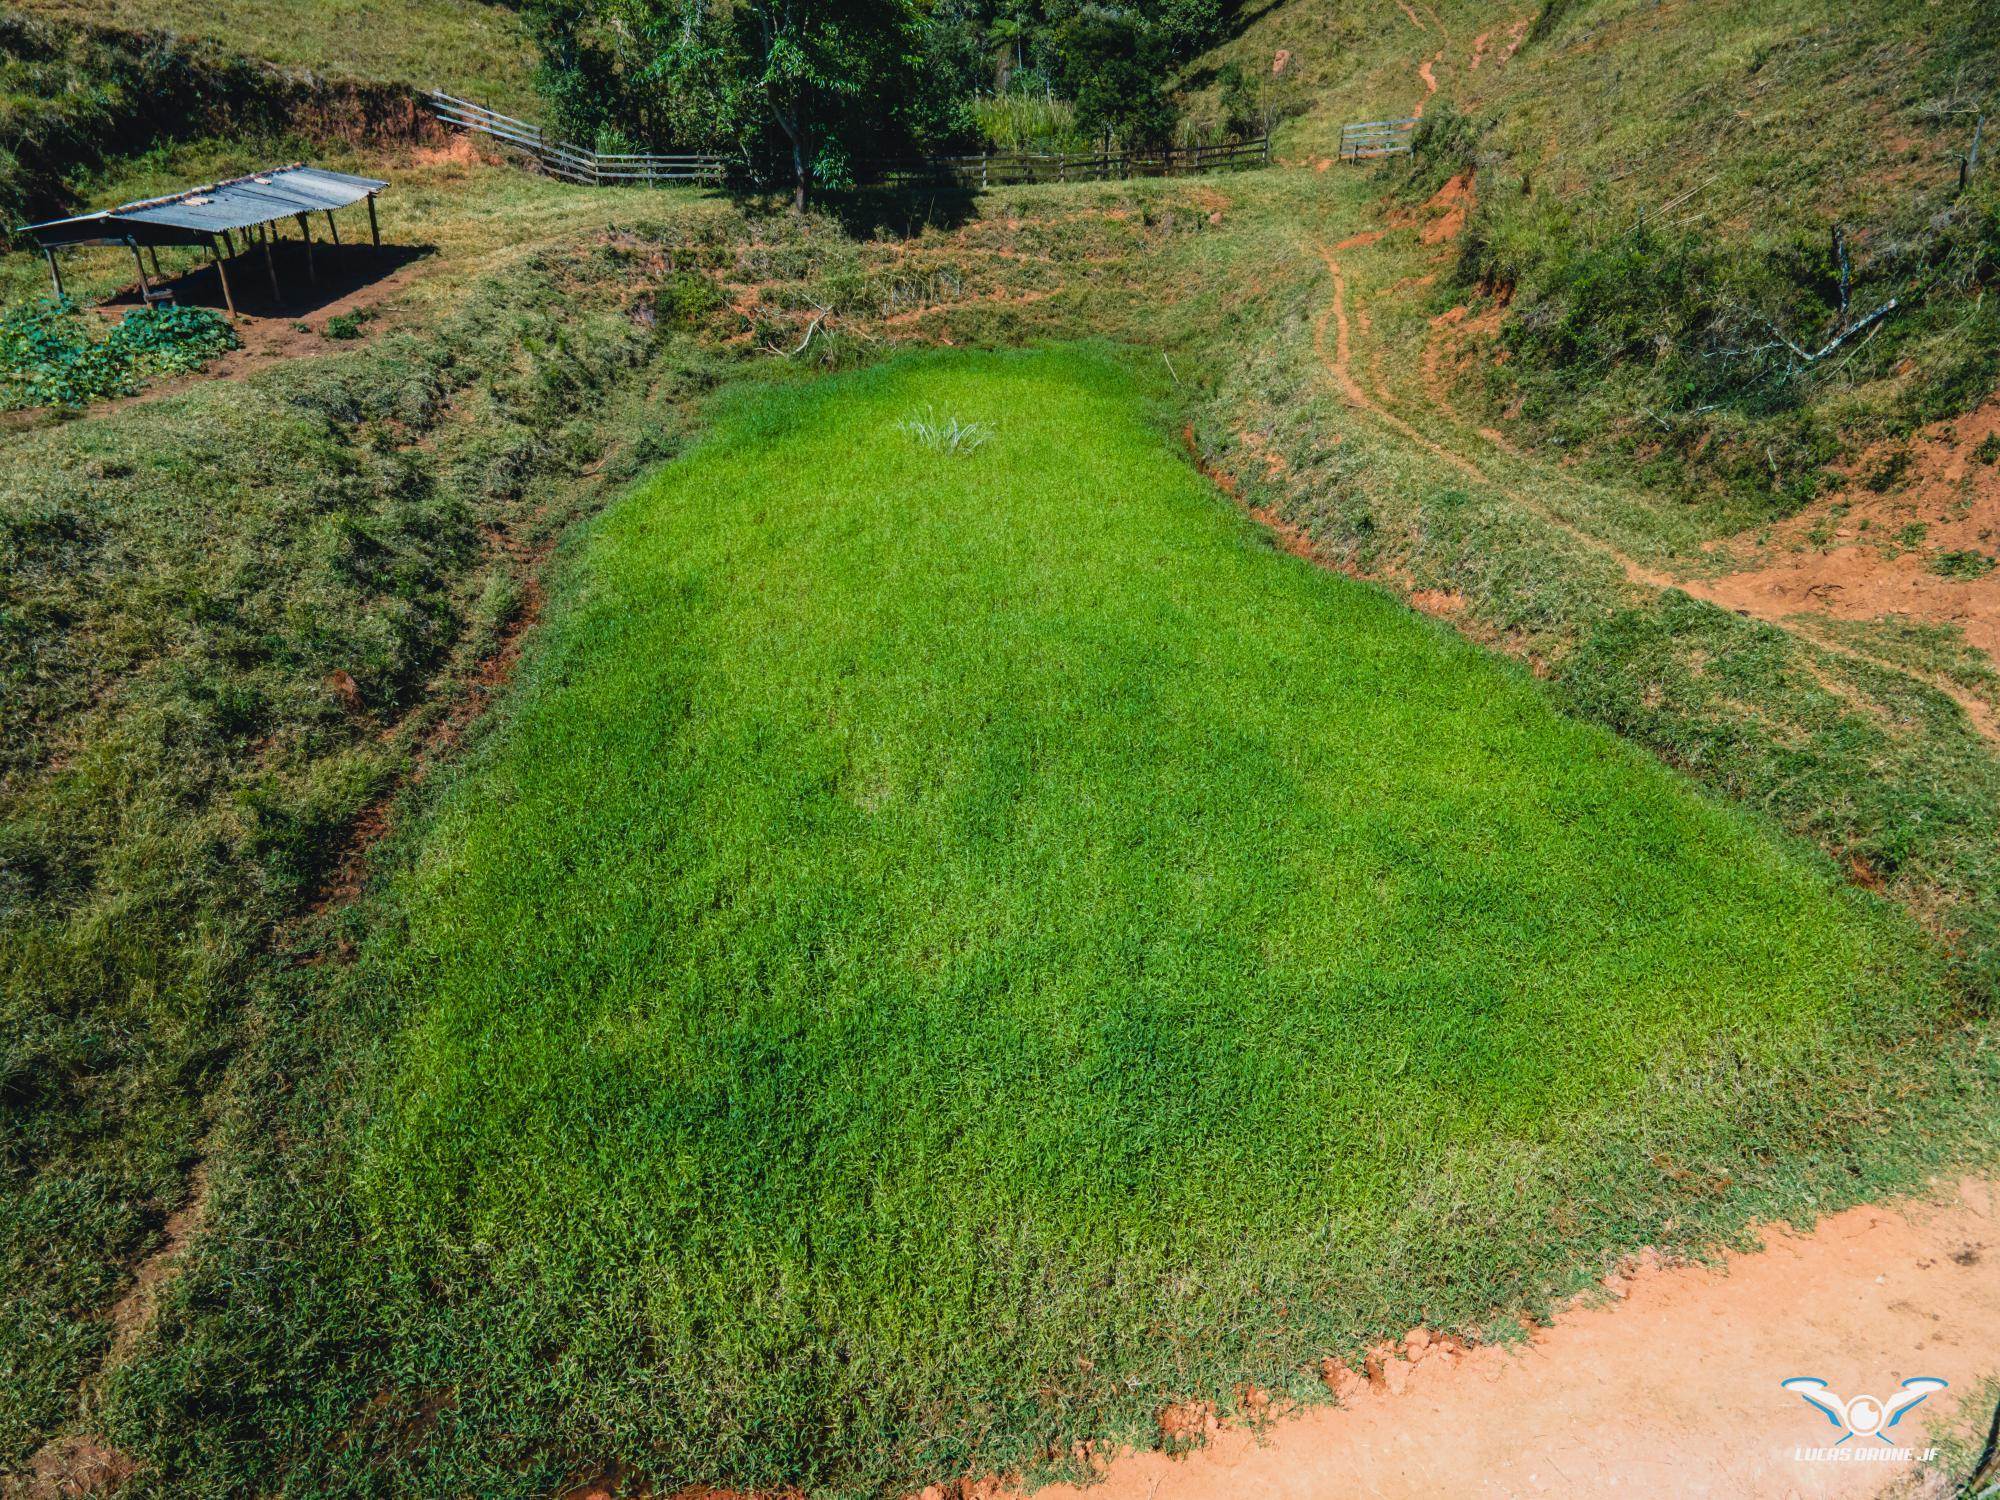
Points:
(802, 88)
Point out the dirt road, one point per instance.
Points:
(1669, 1389)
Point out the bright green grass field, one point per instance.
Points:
(953, 950)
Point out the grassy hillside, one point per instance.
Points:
(246, 620)
(237, 613)
(219, 613)
(468, 47)
(1677, 205)
(936, 930)
(83, 106)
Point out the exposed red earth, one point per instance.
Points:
(1665, 1384)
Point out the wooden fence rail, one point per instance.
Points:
(1007, 170)
(574, 163)
(596, 168)
(1368, 138)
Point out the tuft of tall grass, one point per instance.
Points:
(1028, 123)
(947, 434)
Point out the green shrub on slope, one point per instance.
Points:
(52, 354)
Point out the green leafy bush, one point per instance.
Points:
(50, 356)
(349, 325)
(1726, 355)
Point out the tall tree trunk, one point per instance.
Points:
(794, 133)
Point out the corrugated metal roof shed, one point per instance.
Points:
(193, 216)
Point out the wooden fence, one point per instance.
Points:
(573, 163)
(1007, 170)
(596, 168)
(1369, 138)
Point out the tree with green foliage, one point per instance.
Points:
(818, 65)
(801, 88)
(806, 81)
(1114, 64)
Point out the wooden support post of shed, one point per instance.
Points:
(374, 232)
(145, 286)
(331, 227)
(270, 262)
(55, 273)
(222, 275)
(305, 230)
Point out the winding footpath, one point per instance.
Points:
(1333, 348)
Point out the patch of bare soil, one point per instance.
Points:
(1424, 71)
(351, 278)
(1665, 1383)
(1878, 558)
(1188, 1424)
(457, 150)
(68, 1469)
(1775, 594)
(1444, 603)
(133, 1312)
(1449, 206)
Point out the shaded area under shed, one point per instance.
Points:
(211, 218)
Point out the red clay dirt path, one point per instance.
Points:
(1333, 348)
(1667, 1390)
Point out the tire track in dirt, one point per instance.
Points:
(1337, 361)
(1426, 71)
(1430, 84)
